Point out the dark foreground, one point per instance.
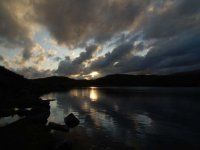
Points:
(142, 118)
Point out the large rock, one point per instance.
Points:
(71, 120)
(59, 127)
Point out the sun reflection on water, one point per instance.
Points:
(93, 94)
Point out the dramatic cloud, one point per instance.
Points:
(166, 56)
(3, 61)
(36, 52)
(73, 22)
(15, 24)
(69, 67)
(178, 16)
(31, 72)
(104, 37)
(1, 58)
(107, 62)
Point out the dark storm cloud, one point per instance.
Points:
(13, 32)
(176, 32)
(119, 53)
(182, 50)
(15, 29)
(85, 55)
(72, 22)
(167, 56)
(69, 67)
(183, 15)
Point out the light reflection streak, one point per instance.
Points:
(93, 94)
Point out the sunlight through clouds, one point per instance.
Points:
(77, 39)
(94, 74)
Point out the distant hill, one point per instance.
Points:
(193, 73)
(56, 83)
(180, 79)
(185, 79)
(9, 75)
(51, 83)
(12, 81)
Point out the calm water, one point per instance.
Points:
(130, 118)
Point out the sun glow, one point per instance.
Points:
(94, 74)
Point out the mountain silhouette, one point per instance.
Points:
(11, 81)
(180, 79)
(14, 82)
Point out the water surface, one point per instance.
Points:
(130, 118)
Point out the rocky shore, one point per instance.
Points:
(31, 129)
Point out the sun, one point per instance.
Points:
(94, 74)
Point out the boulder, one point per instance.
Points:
(71, 120)
(59, 127)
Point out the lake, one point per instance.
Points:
(130, 118)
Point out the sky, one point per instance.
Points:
(86, 39)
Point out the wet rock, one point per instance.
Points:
(59, 127)
(71, 120)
